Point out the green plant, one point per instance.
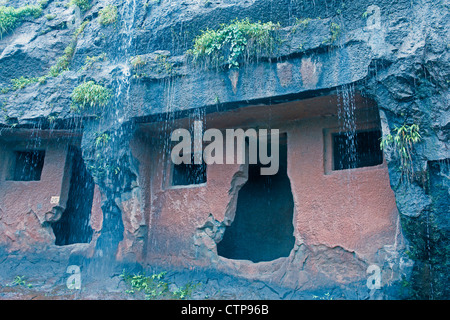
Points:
(233, 42)
(155, 286)
(402, 143)
(22, 82)
(185, 291)
(43, 3)
(5, 90)
(20, 281)
(326, 296)
(82, 4)
(108, 15)
(138, 61)
(51, 118)
(99, 166)
(300, 23)
(101, 139)
(79, 30)
(152, 286)
(163, 64)
(335, 30)
(62, 64)
(11, 17)
(89, 95)
(89, 61)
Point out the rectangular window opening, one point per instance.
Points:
(188, 174)
(356, 149)
(28, 165)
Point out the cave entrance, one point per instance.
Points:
(74, 225)
(262, 229)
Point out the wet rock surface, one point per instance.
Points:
(44, 276)
(395, 53)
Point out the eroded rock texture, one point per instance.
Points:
(395, 53)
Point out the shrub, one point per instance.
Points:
(10, 17)
(90, 61)
(82, 4)
(234, 41)
(22, 82)
(20, 281)
(90, 95)
(108, 15)
(137, 62)
(62, 64)
(155, 286)
(335, 30)
(101, 139)
(43, 3)
(50, 16)
(402, 142)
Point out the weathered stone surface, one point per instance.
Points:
(395, 53)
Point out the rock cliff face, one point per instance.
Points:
(395, 53)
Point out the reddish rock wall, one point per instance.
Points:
(349, 215)
(345, 217)
(27, 208)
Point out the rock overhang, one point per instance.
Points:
(305, 60)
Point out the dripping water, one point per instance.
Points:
(122, 92)
(429, 255)
(347, 127)
(347, 122)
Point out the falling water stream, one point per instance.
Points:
(347, 119)
(115, 121)
(128, 16)
(347, 126)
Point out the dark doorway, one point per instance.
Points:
(73, 227)
(263, 226)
